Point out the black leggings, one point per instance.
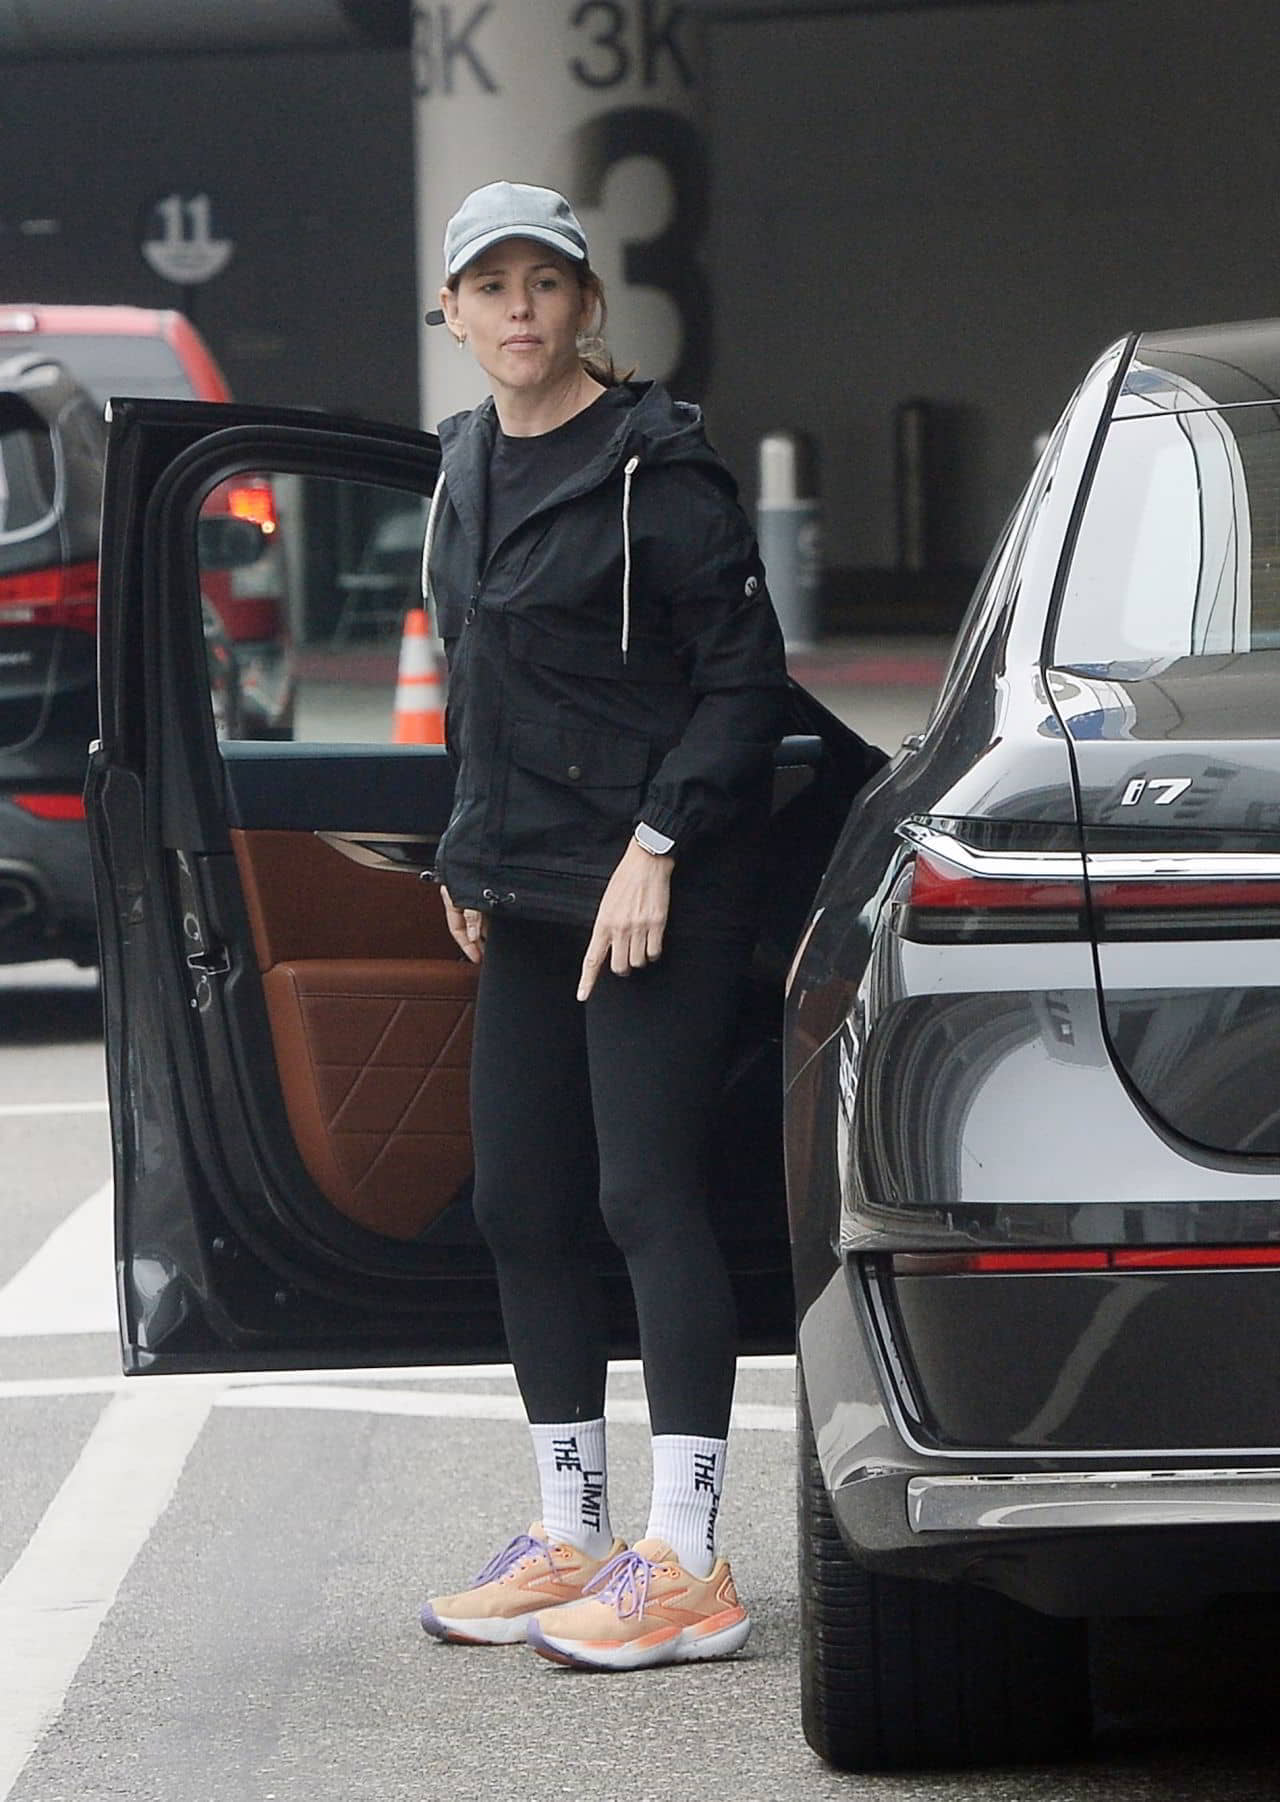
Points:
(608, 1100)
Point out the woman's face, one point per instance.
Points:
(520, 307)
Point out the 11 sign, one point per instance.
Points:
(179, 240)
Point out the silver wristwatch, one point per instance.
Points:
(657, 844)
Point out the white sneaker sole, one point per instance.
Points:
(686, 1648)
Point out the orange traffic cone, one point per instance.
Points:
(419, 711)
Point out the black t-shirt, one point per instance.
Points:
(524, 471)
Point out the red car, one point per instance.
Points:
(148, 351)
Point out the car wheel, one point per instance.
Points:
(898, 1673)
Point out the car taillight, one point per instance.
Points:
(253, 499)
(1124, 1257)
(946, 901)
(65, 595)
(959, 891)
(51, 807)
(1184, 906)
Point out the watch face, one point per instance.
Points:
(654, 841)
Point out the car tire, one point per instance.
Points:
(899, 1673)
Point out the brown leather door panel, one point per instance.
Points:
(307, 900)
(370, 1006)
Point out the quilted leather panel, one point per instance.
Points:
(373, 1057)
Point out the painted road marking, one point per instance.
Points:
(68, 1286)
(51, 1388)
(760, 1416)
(16, 1110)
(57, 1594)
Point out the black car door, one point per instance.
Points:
(287, 1021)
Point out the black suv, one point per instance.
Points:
(52, 450)
(52, 443)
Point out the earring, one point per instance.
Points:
(461, 340)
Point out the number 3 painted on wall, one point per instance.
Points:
(669, 261)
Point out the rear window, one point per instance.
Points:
(108, 363)
(1178, 554)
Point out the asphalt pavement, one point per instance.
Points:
(208, 1588)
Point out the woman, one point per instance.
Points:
(616, 690)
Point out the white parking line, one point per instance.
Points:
(51, 1388)
(761, 1416)
(68, 1286)
(14, 1110)
(57, 1594)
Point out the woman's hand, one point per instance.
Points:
(467, 927)
(631, 919)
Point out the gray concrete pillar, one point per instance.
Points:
(600, 99)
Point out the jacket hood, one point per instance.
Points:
(651, 429)
(654, 427)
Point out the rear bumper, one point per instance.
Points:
(1147, 1535)
(46, 889)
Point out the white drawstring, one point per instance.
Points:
(436, 496)
(627, 474)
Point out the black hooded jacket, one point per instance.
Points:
(615, 658)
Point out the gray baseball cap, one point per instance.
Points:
(509, 209)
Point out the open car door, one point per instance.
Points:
(287, 1020)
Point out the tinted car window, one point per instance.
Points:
(110, 363)
(998, 579)
(1178, 554)
(28, 484)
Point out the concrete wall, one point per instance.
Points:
(963, 205)
(967, 205)
(309, 160)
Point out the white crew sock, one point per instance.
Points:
(688, 1475)
(572, 1475)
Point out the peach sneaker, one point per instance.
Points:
(644, 1608)
(531, 1573)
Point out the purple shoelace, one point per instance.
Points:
(624, 1582)
(524, 1545)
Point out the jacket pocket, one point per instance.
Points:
(571, 796)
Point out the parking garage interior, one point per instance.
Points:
(946, 206)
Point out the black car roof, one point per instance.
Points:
(1204, 366)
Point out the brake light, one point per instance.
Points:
(1127, 1257)
(959, 893)
(1183, 1257)
(65, 595)
(1186, 907)
(51, 807)
(254, 500)
(938, 884)
(946, 902)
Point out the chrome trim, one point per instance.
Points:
(1064, 865)
(1035, 1501)
(1133, 395)
(409, 853)
(1108, 866)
